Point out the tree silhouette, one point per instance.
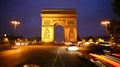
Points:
(114, 27)
(116, 7)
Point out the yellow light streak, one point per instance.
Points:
(106, 60)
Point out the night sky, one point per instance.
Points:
(90, 14)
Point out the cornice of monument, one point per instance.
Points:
(58, 11)
(58, 15)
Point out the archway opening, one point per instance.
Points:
(59, 34)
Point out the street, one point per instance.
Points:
(42, 56)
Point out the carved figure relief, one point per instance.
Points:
(46, 34)
(71, 33)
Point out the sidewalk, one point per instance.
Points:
(5, 47)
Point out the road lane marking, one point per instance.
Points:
(55, 59)
(60, 57)
(63, 65)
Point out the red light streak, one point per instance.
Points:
(115, 54)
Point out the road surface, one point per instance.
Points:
(42, 56)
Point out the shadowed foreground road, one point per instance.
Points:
(42, 56)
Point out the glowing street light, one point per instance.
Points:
(15, 23)
(106, 25)
(5, 35)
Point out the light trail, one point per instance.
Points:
(112, 58)
(115, 54)
(115, 64)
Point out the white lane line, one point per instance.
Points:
(60, 57)
(63, 65)
(55, 59)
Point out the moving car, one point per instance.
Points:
(105, 43)
(112, 45)
(99, 49)
(67, 43)
(72, 47)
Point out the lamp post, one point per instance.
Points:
(15, 23)
(106, 25)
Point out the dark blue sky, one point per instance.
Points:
(90, 14)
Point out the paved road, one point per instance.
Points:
(42, 56)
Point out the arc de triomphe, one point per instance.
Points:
(54, 17)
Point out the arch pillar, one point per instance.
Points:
(48, 33)
(70, 34)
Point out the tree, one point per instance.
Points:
(116, 7)
(114, 29)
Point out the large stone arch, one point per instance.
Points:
(64, 17)
(62, 25)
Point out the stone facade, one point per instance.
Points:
(54, 17)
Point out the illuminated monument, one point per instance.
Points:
(54, 17)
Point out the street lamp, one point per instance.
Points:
(15, 23)
(106, 25)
